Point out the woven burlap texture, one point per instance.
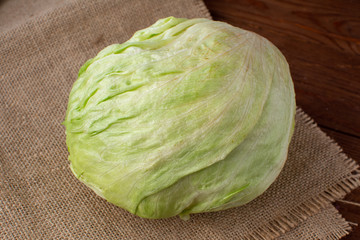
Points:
(41, 199)
(326, 224)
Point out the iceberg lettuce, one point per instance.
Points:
(187, 116)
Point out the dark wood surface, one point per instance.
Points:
(321, 41)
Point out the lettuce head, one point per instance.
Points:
(187, 116)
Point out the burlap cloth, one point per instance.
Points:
(41, 199)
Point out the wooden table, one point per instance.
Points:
(321, 41)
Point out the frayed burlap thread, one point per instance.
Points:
(326, 224)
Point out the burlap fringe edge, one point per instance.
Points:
(344, 227)
(283, 224)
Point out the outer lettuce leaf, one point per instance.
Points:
(187, 116)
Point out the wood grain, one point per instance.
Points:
(321, 41)
(349, 144)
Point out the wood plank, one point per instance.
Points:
(349, 144)
(322, 44)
